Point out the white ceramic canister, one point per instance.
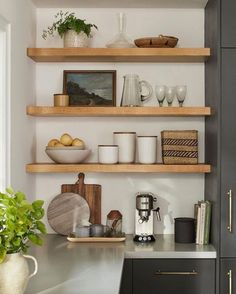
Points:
(127, 145)
(108, 154)
(147, 149)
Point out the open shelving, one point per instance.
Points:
(117, 55)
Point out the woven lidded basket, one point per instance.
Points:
(179, 147)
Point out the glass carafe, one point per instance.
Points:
(132, 91)
(121, 40)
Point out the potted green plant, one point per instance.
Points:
(20, 222)
(75, 31)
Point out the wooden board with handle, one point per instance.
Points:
(90, 192)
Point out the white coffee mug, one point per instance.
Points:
(147, 149)
(127, 143)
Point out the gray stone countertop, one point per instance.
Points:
(66, 267)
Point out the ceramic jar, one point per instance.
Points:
(108, 154)
(61, 100)
(97, 230)
(73, 39)
(147, 149)
(82, 231)
(14, 273)
(126, 142)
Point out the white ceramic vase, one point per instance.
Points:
(73, 39)
(14, 273)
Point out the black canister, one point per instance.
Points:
(184, 230)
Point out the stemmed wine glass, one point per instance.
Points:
(181, 92)
(160, 94)
(170, 95)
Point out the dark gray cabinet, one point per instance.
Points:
(228, 153)
(126, 285)
(220, 185)
(171, 276)
(228, 276)
(228, 23)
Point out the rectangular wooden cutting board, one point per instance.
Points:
(90, 192)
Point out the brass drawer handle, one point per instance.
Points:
(230, 195)
(193, 273)
(230, 281)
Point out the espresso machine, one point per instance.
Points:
(144, 217)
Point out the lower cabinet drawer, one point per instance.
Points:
(174, 276)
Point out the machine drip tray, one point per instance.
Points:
(144, 238)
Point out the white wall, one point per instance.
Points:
(21, 17)
(176, 192)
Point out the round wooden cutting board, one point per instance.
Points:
(66, 211)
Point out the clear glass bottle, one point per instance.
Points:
(121, 40)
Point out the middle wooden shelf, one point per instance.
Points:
(117, 168)
(51, 111)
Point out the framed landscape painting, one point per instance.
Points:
(90, 87)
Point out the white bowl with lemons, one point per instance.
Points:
(67, 150)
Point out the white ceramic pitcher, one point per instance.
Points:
(132, 91)
(14, 273)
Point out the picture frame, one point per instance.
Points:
(91, 88)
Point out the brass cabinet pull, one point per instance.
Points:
(176, 273)
(230, 195)
(230, 281)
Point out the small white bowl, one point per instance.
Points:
(67, 154)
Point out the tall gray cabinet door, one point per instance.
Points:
(228, 23)
(228, 154)
(228, 276)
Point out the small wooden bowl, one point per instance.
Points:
(157, 42)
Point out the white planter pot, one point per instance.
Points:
(73, 39)
(14, 273)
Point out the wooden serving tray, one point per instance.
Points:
(96, 239)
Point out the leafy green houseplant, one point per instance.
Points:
(19, 223)
(67, 22)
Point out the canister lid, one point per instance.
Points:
(107, 145)
(124, 132)
(147, 136)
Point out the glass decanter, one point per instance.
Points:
(121, 40)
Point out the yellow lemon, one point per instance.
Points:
(66, 140)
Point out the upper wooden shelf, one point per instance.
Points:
(117, 111)
(118, 54)
(116, 168)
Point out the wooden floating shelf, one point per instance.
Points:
(117, 111)
(116, 168)
(118, 54)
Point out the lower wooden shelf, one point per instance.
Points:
(116, 168)
(147, 111)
